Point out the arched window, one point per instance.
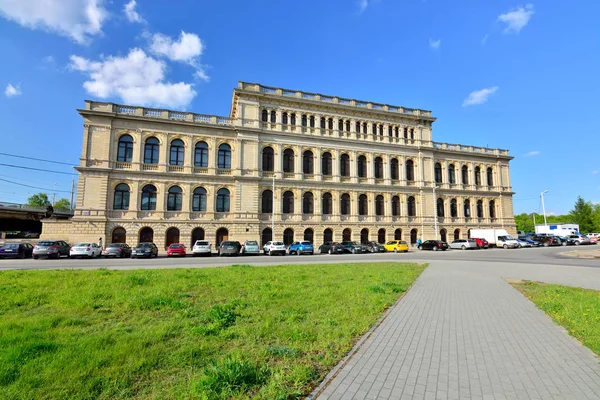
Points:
(197, 234)
(465, 175)
(479, 209)
(362, 166)
(345, 204)
(412, 133)
(288, 202)
(363, 207)
(451, 173)
(148, 198)
(379, 205)
(268, 159)
(125, 151)
(405, 133)
(396, 132)
(456, 234)
(380, 130)
(292, 119)
(477, 176)
(340, 124)
(266, 204)
(453, 208)
(394, 171)
(327, 235)
(411, 206)
(151, 150)
(288, 236)
(323, 122)
(312, 121)
(490, 177)
(345, 165)
(378, 168)
(413, 236)
(467, 208)
(304, 120)
(330, 124)
(174, 199)
(374, 128)
(395, 206)
(201, 155)
(440, 207)
(410, 170)
(221, 236)
(364, 130)
(288, 160)
(284, 118)
(326, 164)
(347, 126)
(347, 235)
(308, 203)
(223, 200)
(177, 152)
(309, 235)
(326, 204)
(119, 235)
(266, 236)
(146, 235)
(224, 158)
(438, 172)
(381, 236)
(390, 131)
(199, 199)
(273, 116)
(492, 209)
(265, 116)
(172, 236)
(443, 235)
(308, 162)
(398, 234)
(357, 127)
(121, 198)
(364, 235)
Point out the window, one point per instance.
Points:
(177, 152)
(394, 171)
(284, 118)
(453, 208)
(347, 126)
(345, 165)
(121, 199)
(265, 116)
(378, 168)
(288, 202)
(379, 205)
(273, 116)
(293, 119)
(327, 235)
(201, 155)
(323, 122)
(309, 235)
(492, 209)
(304, 120)
(268, 159)
(326, 164)
(199, 199)
(395, 206)
(330, 124)
(363, 208)
(381, 236)
(340, 125)
(345, 204)
(411, 206)
(326, 204)
(125, 152)
(362, 166)
(223, 200)
(396, 132)
(266, 202)
(308, 162)
(308, 203)
(479, 209)
(312, 121)
(440, 207)
(148, 198)
(490, 177)
(380, 130)
(224, 156)
(390, 131)
(412, 133)
(151, 149)
(467, 208)
(357, 127)
(410, 171)
(477, 176)
(288, 160)
(405, 133)
(451, 174)
(364, 130)
(174, 199)
(374, 129)
(465, 175)
(438, 172)
(398, 234)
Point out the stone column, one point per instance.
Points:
(298, 160)
(353, 167)
(335, 165)
(212, 156)
(163, 158)
(318, 156)
(238, 154)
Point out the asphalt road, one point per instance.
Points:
(544, 256)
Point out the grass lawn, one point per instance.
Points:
(576, 309)
(220, 333)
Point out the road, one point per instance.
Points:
(542, 256)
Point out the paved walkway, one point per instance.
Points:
(462, 332)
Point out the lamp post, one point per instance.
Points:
(273, 210)
(435, 220)
(543, 207)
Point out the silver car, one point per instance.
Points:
(51, 249)
(464, 244)
(202, 248)
(85, 249)
(250, 247)
(579, 239)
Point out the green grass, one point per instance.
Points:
(223, 333)
(576, 309)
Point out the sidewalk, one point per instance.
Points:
(462, 332)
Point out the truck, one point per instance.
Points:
(495, 237)
(558, 229)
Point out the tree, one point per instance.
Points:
(39, 200)
(62, 204)
(582, 214)
(525, 222)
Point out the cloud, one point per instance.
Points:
(187, 49)
(435, 44)
(12, 91)
(517, 19)
(484, 40)
(362, 5)
(77, 19)
(595, 172)
(131, 14)
(532, 153)
(479, 96)
(136, 79)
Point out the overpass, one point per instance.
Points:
(16, 217)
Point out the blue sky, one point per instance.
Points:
(518, 76)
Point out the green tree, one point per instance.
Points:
(62, 204)
(582, 214)
(596, 217)
(525, 222)
(39, 200)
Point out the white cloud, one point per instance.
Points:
(532, 153)
(362, 5)
(595, 172)
(484, 40)
(136, 79)
(131, 14)
(77, 19)
(435, 44)
(517, 19)
(187, 49)
(12, 91)
(479, 96)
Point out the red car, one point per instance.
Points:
(481, 243)
(176, 249)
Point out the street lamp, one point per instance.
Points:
(435, 220)
(273, 209)
(543, 207)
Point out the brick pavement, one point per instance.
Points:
(462, 332)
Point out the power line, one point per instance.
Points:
(35, 187)
(36, 169)
(36, 159)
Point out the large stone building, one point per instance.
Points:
(307, 165)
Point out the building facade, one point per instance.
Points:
(285, 164)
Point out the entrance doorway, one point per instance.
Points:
(146, 235)
(222, 235)
(172, 236)
(266, 236)
(119, 235)
(347, 235)
(197, 234)
(413, 236)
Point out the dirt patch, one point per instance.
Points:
(582, 253)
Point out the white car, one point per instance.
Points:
(271, 248)
(464, 244)
(202, 248)
(85, 249)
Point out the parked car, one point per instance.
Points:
(229, 248)
(250, 247)
(176, 249)
(351, 247)
(202, 248)
(464, 244)
(482, 243)
(299, 248)
(272, 248)
(331, 248)
(531, 241)
(524, 243)
(85, 249)
(580, 239)
(16, 250)
(396, 246)
(566, 241)
(547, 240)
(593, 239)
(145, 249)
(373, 247)
(51, 249)
(434, 245)
(117, 250)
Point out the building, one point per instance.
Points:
(309, 166)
